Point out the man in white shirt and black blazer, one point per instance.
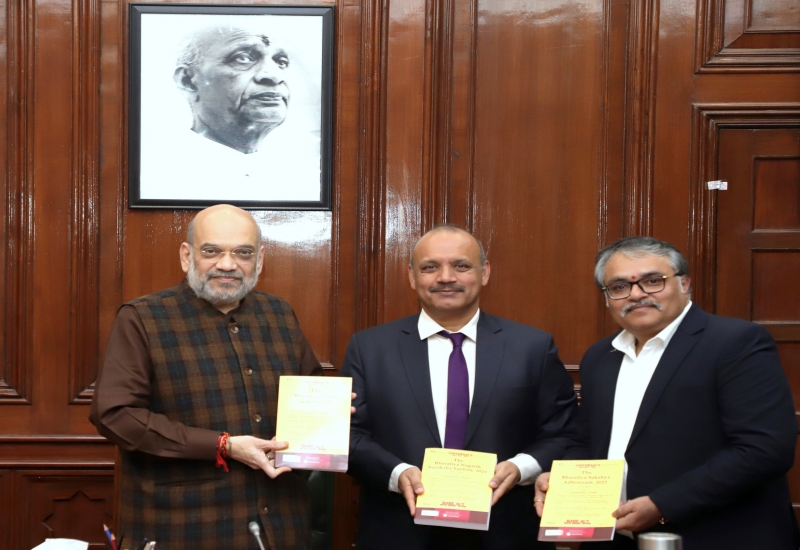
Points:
(697, 405)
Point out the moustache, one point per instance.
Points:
(231, 274)
(450, 287)
(629, 307)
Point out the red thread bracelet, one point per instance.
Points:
(222, 452)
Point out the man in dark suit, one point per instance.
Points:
(697, 405)
(510, 395)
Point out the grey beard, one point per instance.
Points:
(225, 296)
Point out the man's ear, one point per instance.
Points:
(184, 78)
(260, 265)
(186, 256)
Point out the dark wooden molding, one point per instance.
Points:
(712, 56)
(435, 188)
(707, 121)
(449, 145)
(15, 372)
(461, 154)
(371, 154)
(85, 220)
(56, 451)
(640, 112)
(611, 158)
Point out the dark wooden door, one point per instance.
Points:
(757, 275)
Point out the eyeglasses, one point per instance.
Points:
(243, 255)
(649, 285)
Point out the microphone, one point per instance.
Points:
(256, 530)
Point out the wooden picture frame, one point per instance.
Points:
(230, 104)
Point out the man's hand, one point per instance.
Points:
(257, 453)
(352, 398)
(540, 489)
(506, 475)
(637, 514)
(410, 485)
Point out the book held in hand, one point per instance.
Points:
(457, 492)
(314, 418)
(580, 500)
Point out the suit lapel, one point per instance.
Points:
(414, 353)
(679, 347)
(488, 359)
(605, 380)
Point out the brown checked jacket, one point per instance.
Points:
(178, 373)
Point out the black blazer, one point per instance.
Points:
(523, 402)
(714, 437)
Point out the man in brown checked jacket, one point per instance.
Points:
(190, 381)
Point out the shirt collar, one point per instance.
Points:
(625, 341)
(427, 327)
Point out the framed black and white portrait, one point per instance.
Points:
(230, 104)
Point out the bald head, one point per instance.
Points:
(450, 228)
(195, 44)
(222, 214)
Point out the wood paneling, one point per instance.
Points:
(549, 128)
(67, 504)
(16, 32)
(5, 508)
(748, 36)
(777, 193)
(533, 111)
(738, 128)
(85, 201)
(775, 276)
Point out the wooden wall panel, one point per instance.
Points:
(538, 124)
(15, 378)
(67, 504)
(775, 275)
(404, 134)
(54, 486)
(777, 193)
(85, 185)
(5, 507)
(748, 36)
(728, 139)
(548, 128)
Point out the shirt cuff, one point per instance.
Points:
(399, 469)
(529, 468)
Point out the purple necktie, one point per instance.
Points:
(457, 394)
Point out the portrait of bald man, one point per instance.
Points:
(233, 99)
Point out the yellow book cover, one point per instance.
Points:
(580, 500)
(457, 492)
(314, 418)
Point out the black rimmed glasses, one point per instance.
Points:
(649, 285)
(243, 255)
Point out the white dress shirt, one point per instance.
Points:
(439, 350)
(634, 376)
